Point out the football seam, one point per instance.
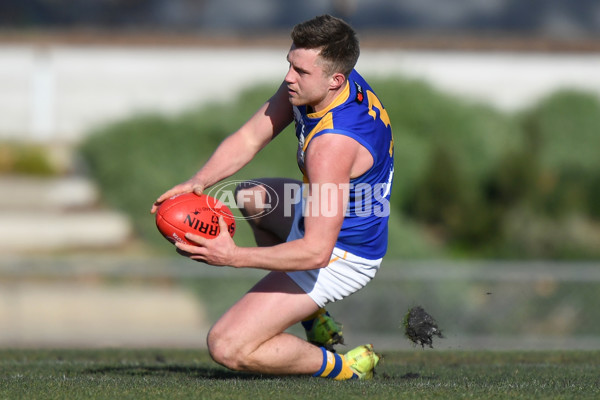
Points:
(166, 222)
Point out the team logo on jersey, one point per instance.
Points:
(359, 93)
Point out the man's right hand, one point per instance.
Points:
(186, 187)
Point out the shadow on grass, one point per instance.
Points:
(216, 373)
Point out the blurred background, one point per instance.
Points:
(495, 106)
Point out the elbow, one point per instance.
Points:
(320, 259)
(317, 253)
(320, 262)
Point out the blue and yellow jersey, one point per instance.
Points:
(357, 113)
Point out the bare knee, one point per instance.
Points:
(250, 196)
(258, 203)
(227, 351)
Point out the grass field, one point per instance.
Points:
(415, 374)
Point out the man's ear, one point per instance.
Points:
(337, 81)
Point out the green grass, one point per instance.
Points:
(416, 374)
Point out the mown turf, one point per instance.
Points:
(177, 374)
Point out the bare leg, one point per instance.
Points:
(250, 336)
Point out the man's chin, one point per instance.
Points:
(295, 101)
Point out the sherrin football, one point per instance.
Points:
(195, 214)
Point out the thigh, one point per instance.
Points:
(268, 203)
(274, 304)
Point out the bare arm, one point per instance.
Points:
(240, 147)
(326, 169)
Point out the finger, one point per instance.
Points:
(156, 205)
(172, 192)
(198, 189)
(188, 248)
(223, 226)
(182, 252)
(160, 199)
(179, 189)
(191, 256)
(199, 240)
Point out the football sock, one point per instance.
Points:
(335, 367)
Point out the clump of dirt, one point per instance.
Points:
(420, 327)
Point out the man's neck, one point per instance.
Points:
(332, 95)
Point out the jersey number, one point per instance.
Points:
(374, 102)
(383, 115)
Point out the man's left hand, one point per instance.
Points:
(219, 251)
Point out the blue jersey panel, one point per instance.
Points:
(360, 115)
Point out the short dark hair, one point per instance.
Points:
(336, 39)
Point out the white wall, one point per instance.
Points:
(58, 93)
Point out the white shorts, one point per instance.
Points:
(345, 274)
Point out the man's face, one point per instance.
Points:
(306, 80)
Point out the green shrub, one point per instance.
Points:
(426, 121)
(446, 150)
(564, 135)
(26, 159)
(564, 129)
(551, 190)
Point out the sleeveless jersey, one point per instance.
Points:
(357, 113)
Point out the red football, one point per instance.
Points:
(194, 214)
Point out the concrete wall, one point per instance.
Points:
(58, 93)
